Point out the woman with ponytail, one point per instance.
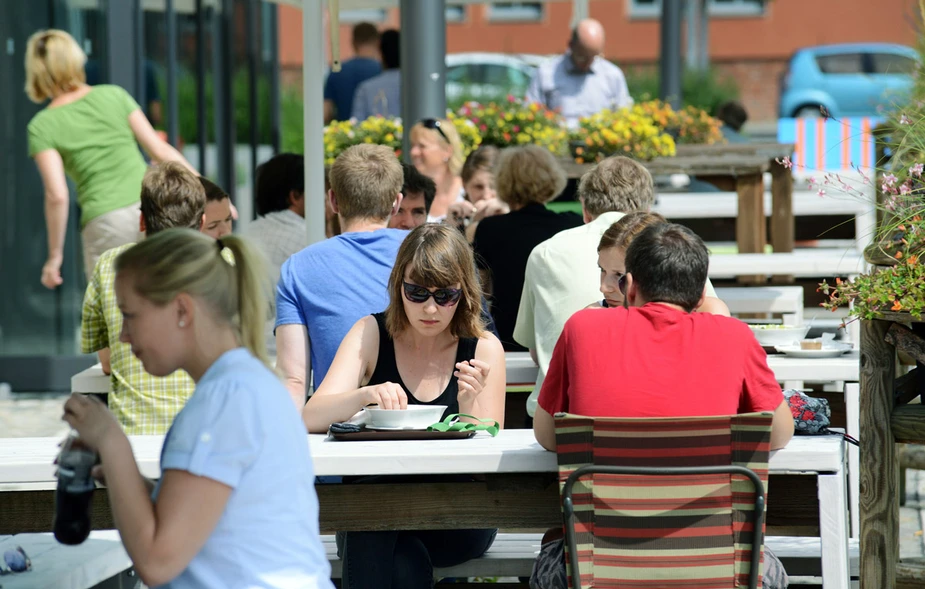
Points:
(235, 504)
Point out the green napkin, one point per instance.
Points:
(452, 424)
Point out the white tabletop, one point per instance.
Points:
(55, 566)
(26, 463)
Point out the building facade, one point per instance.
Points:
(749, 40)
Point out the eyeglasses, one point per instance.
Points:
(621, 284)
(435, 125)
(15, 561)
(445, 297)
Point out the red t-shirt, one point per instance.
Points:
(657, 361)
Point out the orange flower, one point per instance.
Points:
(912, 260)
(899, 255)
(896, 306)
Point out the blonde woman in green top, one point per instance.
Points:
(91, 134)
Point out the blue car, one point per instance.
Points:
(858, 79)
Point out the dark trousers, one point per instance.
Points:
(406, 559)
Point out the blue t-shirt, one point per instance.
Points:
(341, 86)
(332, 284)
(240, 429)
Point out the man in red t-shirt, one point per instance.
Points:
(655, 358)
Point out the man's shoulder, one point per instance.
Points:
(607, 67)
(105, 264)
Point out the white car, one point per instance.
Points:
(488, 76)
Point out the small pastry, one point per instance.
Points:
(809, 344)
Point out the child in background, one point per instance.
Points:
(478, 176)
(236, 504)
(219, 210)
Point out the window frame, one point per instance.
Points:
(737, 9)
(519, 12)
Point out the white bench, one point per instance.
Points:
(784, 300)
(816, 263)
(100, 562)
(709, 205)
(512, 555)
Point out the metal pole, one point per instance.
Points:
(423, 63)
(704, 36)
(140, 60)
(670, 88)
(313, 116)
(250, 34)
(272, 43)
(692, 29)
(218, 113)
(580, 11)
(172, 107)
(202, 127)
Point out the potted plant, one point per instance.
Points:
(629, 132)
(517, 123)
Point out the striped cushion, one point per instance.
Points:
(663, 531)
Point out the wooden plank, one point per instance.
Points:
(909, 386)
(782, 219)
(509, 501)
(910, 575)
(699, 165)
(908, 423)
(906, 341)
(879, 469)
(751, 234)
(769, 150)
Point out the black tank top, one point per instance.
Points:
(387, 369)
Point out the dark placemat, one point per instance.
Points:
(405, 434)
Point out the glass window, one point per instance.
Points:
(515, 11)
(362, 15)
(891, 63)
(653, 8)
(496, 74)
(455, 13)
(461, 74)
(840, 63)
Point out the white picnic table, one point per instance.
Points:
(55, 566)
(802, 264)
(507, 499)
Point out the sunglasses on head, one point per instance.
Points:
(15, 561)
(445, 297)
(435, 125)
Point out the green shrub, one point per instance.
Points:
(706, 90)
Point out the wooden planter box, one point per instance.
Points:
(887, 417)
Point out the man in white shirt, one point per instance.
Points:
(581, 82)
(562, 274)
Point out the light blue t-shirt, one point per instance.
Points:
(240, 429)
(379, 96)
(332, 284)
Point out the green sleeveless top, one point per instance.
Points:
(98, 148)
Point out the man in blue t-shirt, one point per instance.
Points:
(341, 86)
(330, 285)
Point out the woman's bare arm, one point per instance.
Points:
(156, 148)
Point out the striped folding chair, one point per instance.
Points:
(664, 502)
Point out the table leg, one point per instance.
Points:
(751, 233)
(833, 530)
(782, 222)
(853, 428)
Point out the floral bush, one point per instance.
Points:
(339, 135)
(690, 125)
(517, 123)
(629, 132)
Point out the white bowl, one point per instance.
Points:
(414, 417)
(779, 335)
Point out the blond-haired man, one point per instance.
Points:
(171, 196)
(562, 274)
(328, 286)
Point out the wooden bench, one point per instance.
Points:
(818, 263)
(99, 563)
(512, 555)
(783, 300)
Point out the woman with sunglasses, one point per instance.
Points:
(611, 258)
(436, 152)
(429, 347)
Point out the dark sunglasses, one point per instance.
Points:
(435, 125)
(15, 561)
(621, 285)
(445, 297)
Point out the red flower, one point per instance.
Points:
(808, 416)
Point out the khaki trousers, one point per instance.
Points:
(107, 231)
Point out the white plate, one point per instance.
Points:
(394, 429)
(826, 352)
